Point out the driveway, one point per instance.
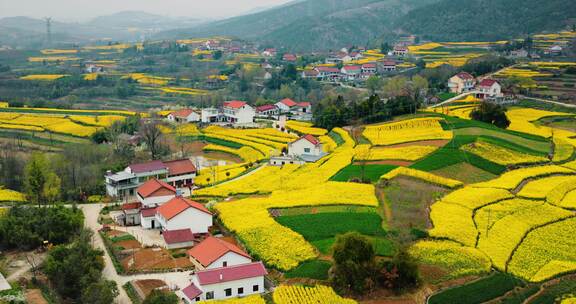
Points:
(176, 280)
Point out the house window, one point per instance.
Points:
(224, 264)
(241, 290)
(210, 295)
(255, 288)
(228, 292)
(197, 299)
(306, 150)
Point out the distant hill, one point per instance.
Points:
(488, 19)
(311, 24)
(123, 26)
(329, 24)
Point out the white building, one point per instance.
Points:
(215, 253)
(181, 213)
(351, 72)
(297, 109)
(225, 283)
(148, 218)
(490, 88)
(154, 193)
(461, 83)
(235, 112)
(123, 184)
(307, 148)
(176, 239)
(184, 116)
(267, 111)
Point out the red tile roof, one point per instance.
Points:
(132, 206)
(191, 292)
(154, 165)
(313, 140)
(212, 249)
(328, 69)
(234, 104)
(231, 273)
(352, 67)
(184, 113)
(369, 66)
(304, 104)
(149, 212)
(153, 185)
(288, 102)
(487, 83)
(180, 167)
(178, 205)
(290, 57)
(178, 236)
(390, 63)
(265, 108)
(465, 76)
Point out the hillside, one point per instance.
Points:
(488, 19)
(307, 25)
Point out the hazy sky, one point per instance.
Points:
(86, 9)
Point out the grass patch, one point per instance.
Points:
(451, 155)
(125, 237)
(382, 246)
(477, 292)
(530, 103)
(314, 227)
(550, 294)
(336, 137)
(326, 209)
(453, 123)
(518, 297)
(466, 173)
(445, 96)
(316, 269)
(371, 172)
(131, 293)
(507, 140)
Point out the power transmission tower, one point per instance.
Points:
(48, 30)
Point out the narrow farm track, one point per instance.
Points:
(172, 279)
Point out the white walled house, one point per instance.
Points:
(267, 111)
(181, 213)
(215, 253)
(154, 193)
(307, 148)
(461, 83)
(184, 116)
(225, 283)
(490, 88)
(148, 218)
(238, 112)
(351, 72)
(285, 105)
(176, 239)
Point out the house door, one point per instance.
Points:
(153, 224)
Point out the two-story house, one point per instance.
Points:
(461, 83)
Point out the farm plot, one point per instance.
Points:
(411, 130)
(296, 294)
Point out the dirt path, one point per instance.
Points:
(38, 259)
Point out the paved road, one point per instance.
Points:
(173, 279)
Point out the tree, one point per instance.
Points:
(51, 191)
(421, 64)
(354, 263)
(36, 174)
(102, 292)
(161, 297)
(73, 268)
(373, 83)
(385, 48)
(153, 138)
(400, 273)
(217, 55)
(491, 113)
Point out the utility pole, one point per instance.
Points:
(48, 30)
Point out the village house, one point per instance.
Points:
(224, 283)
(298, 110)
(181, 213)
(521, 53)
(235, 112)
(184, 116)
(388, 66)
(289, 58)
(92, 68)
(351, 72)
(148, 218)
(177, 239)
(489, 88)
(310, 73)
(214, 253)
(269, 110)
(123, 184)
(461, 83)
(554, 50)
(369, 68)
(400, 51)
(131, 214)
(307, 148)
(269, 52)
(328, 73)
(154, 193)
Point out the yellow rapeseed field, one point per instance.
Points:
(296, 294)
(411, 130)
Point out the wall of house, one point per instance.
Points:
(146, 222)
(179, 178)
(154, 201)
(191, 218)
(298, 148)
(231, 258)
(219, 288)
(245, 115)
(180, 245)
(194, 117)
